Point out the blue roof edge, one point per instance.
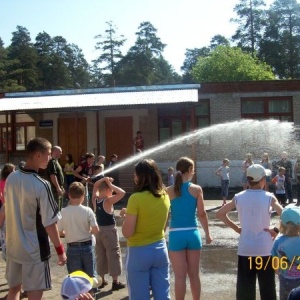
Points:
(104, 90)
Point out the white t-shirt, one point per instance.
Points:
(224, 172)
(254, 213)
(76, 222)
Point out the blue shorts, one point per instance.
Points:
(185, 240)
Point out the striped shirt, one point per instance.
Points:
(29, 208)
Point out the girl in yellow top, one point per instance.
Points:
(147, 262)
(69, 170)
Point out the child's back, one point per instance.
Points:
(76, 222)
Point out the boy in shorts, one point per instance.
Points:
(107, 240)
(78, 223)
(31, 213)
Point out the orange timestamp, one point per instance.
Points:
(277, 263)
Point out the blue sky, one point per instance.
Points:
(180, 24)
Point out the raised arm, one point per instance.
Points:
(119, 193)
(95, 193)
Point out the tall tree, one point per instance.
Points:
(110, 45)
(230, 64)
(7, 84)
(165, 73)
(22, 50)
(191, 58)
(44, 47)
(280, 46)
(78, 67)
(218, 40)
(147, 41)
(251, 21)
(144, 63)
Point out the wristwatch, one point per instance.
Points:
(276, 229)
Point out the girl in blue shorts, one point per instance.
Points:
(184, 236)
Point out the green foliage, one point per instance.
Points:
(227, 64)
(7, 84)
(144, 64)
(110, 45)
(251, 20)
(192, 55)
(22, 52)
(280, 46)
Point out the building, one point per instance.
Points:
(104, 121)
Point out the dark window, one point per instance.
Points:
(279, 108)
(176, 120)
(24, 131)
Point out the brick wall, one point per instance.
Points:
(149, 128)
(249, 86)
(224, 108)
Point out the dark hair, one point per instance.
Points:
(7, 169)
(37, 144)
(182, 166)
(149, 177)
(89, 155)
(70, 157)
(76, 190)
(114, 155)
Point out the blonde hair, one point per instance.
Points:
(290, 229)
(103, 186)
(265, 156)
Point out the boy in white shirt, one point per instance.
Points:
(78, 223)
(255, 242)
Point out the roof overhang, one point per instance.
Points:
(105, 98)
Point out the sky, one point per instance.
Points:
(180, 24)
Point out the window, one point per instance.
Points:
(5, 133)
(202, 112)
(24, 130)
(176, 120)
(279, 108)
(171, 123)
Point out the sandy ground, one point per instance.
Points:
(218, 266)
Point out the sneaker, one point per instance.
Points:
(104, 283)
(117, 286)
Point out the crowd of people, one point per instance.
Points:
(279, 181)
(38, 205)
